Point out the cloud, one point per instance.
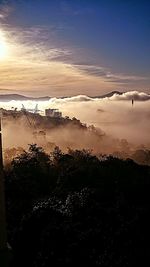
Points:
(38, 61)
(127, 96)
(5, 10)
(114, 116)
(100, 71)
(78, 98)
(137, 96)
(41, 65)
(35, 43)
(92, 70)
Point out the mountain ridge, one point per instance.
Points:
(9, 97)
(110, 94)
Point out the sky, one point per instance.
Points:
(71, 47)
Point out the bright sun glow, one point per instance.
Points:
(3, 47)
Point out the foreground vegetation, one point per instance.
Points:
(76, 209)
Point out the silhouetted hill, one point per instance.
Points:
(110, 94)
(9, 97)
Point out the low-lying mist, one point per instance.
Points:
(120, 125)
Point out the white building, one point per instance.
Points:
(53, 113)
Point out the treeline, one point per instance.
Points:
(76, 209)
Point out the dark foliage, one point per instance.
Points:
(75, 209)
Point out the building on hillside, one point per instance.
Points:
(53, 113)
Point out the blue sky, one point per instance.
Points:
(104, 43)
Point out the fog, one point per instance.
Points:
(116, 116)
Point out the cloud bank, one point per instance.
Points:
(135, 95)
(115, 115)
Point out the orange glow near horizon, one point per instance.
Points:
(29, 65)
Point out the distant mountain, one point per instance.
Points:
(110, 94)
(9, 97)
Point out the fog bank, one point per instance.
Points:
(116, 116)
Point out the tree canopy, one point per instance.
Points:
(76, 209)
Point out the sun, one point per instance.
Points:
(3, 47)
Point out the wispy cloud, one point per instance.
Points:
(39, 62)
(5, 10)
(99, 71)
(35, 42)
(36, 62)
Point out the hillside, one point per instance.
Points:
(110, 94)
(9, 97)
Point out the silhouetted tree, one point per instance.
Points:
(75, 209)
